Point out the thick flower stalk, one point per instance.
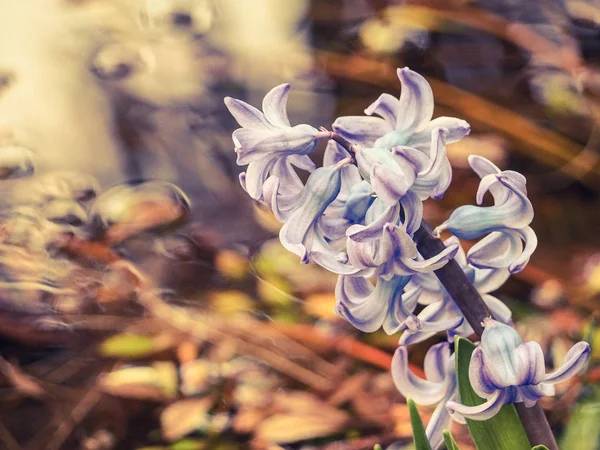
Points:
(440, 310)
(505, 370)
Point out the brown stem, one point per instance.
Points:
(475, 310)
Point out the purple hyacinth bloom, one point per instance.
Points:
(507, 221)
(369, 308)
(266, 137)
(438, 387)
(301, 234)
(505, 370)
(441, 313)
(407, 123)
(384, 245)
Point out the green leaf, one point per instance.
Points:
(188, 444)
(582, 432)
(449, 441)
(419, 436)
(504, 431)
(127, 345)
(540, 447)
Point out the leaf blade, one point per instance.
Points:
(449, 441)
(419, 435)
(504, 431)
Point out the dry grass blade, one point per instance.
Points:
(23, 383)
(60, 432)
(206, 328)
(264, 331)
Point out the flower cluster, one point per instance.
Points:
(358, 214)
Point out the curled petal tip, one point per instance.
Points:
(437, 232)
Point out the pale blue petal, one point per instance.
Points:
(275, 106)
(457, 128)
(323, 254)
(529, 364)
(440, 420)
(390, 176)
(575, 360)
(484, 411)
(423, 392)
(515, 212)
(400, 308)
(497, 250)
(368, 254)
(434, 178)
(291, 184)
(444, 180)
(386, 106)
(254, 144)
(256, 174)
(500, 343)
(499, 310)
(415, 107)
(430, 321)
(282, 206)
(302, 162)
(361, 233)
(322, 187)
(334, 153)
(365, 306)
(482, 380)
(504, 249)
(530, 239)
(413, 211)
(488, 280)
(530, 394)
(358, 202)
(436, 362)
(482, 166)
(404, 262)
(361, 130)
(247, 116)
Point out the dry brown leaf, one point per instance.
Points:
(282, 428)
(349, 388)
(299, 402)
(157, 382)
(184, 417)
(247, 419)
(303, 416)
(321, 306)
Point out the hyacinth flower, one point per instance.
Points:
(301, 233)
(407, 123)
(369, 308)
(438, 387)
(383, 248)
(266, 137)
(384, 245)
(507, 221)
(505, 370)
(441, 310)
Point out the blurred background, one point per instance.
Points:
(117, 171)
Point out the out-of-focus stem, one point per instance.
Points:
(475, 310)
